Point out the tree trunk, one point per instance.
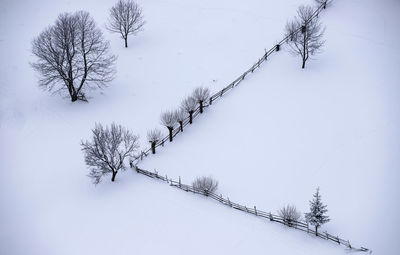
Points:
(201, 106)
(181, 125)
(153, 147)
(304, 49)
(316, 230)
(126, 42)
(74, 97)
(170, 129)
(190, 117)
(114, 173)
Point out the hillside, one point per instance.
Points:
(271, 141)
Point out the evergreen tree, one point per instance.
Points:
(317, 215)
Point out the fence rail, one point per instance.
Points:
(220, 93)
(299, 225)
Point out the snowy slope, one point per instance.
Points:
(342, 105)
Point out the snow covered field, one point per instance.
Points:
(269, 142)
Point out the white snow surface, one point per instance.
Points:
(270, 142)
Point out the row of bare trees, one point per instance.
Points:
(72, 55)
(173, 119)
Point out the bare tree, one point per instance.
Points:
(108, 149)
(309, 40)
(189, 105)
(72, 55)
(206, 184)
(201, 95)
(154, 136)
(125, 18)
(180, 116)
(169, 121)
(289, 214)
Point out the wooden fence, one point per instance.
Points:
(299, 225)
(220, 93)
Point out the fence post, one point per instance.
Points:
(338, 240)
(255, 210)
(278, 47)
(179, 181)
(166, 178)
(271, 218)
(211, 99)
(229, 202)
(308, 228)
(349, 244)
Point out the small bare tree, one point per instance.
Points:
(309, 40)
(289, 214)
(206, 184)
(125, 18)
(201, 95)
(154, 136)
(180, 116)
(189, 105)
(169, 121)
(72, 55)
(108, 149)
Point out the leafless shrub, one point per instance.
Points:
(168, 120)
(189, 105)
(108, 149)
(73, 56)
(125, 18)
(289, 214)
(310, 40)
(154, 136)
(206, 184)
(180, 116)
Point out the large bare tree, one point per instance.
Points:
(306, 34)
(73, 56)
(125, 18)
(107, 151)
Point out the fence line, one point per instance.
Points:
(220, 93)
(299, 225)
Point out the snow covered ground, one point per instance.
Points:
(271, 141)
